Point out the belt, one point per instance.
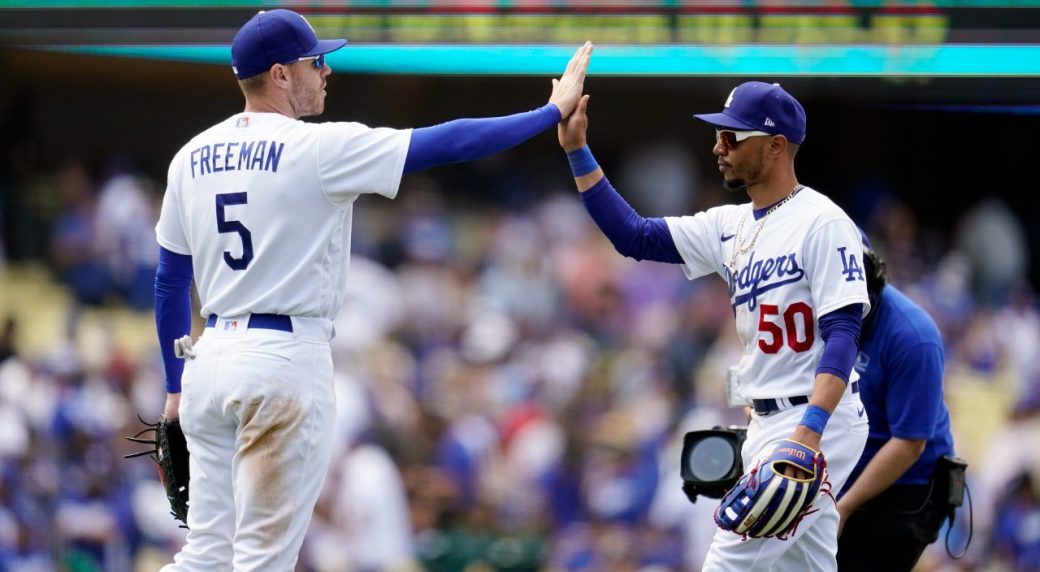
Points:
(261, 321)
(767, 406)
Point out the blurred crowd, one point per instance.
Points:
(512, 393)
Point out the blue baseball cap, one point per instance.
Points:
(275, 37)
(760, 106)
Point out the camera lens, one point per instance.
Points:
(711, 459)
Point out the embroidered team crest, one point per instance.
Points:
(729, 99)
(850, 268)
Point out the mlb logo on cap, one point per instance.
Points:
(760, 106)
(276, 37)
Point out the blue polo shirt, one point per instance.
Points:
(900, 364)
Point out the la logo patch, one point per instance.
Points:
(729, 99)
(850, 268)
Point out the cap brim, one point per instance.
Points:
(324, 47)
(723, 120)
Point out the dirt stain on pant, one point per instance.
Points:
(267, 428)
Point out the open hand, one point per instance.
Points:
(571, 131)
(567, 90)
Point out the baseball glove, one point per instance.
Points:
(764, 503)
(170, 452)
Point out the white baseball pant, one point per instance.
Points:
(257, 408)
(815, 543)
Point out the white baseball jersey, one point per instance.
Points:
(263, 204)
(806, 262)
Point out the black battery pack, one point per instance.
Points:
(952, 469)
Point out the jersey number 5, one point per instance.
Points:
(790, 324)
(226, 226)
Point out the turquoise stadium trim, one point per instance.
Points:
(662, 60)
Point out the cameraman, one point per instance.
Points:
(895, 501)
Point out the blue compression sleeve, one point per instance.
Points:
(840, 331)
(631, 234)
(469, 139)
(172, 310)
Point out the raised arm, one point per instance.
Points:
(469, 139)
(631, 234)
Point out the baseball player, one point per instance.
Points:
(793, 262)
(257, 211)
(898, 495)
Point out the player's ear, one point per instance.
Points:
(279, 75)
(778, 145)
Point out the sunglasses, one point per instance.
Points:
(319, 60)
(729, 138)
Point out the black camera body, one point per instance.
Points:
(711, 463)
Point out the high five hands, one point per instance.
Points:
(567, 90)
(571, 130)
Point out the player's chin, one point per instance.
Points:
(734, 185)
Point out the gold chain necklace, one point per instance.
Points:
(740, 249)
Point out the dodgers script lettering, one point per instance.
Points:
(760, 276)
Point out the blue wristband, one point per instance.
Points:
(815, 418)
(582, 162)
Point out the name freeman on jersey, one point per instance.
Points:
(236, 156)
(753, 278)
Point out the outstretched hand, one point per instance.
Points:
(572, 130)
(567, 90)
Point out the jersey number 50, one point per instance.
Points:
(776, 332)
(226, 226)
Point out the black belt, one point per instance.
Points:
(767, 406)
(261, 321)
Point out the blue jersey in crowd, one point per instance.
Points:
(900, 364)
